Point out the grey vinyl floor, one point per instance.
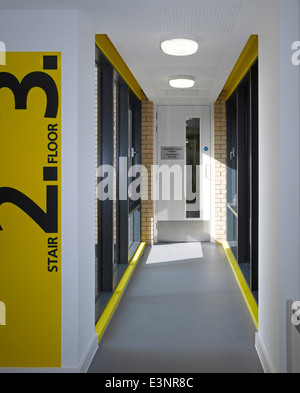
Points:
(182, 312)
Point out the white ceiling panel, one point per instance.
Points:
(174, 16)
(205, 55)
(166, 71)
(137, 27)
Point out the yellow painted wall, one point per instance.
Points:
(30, 245)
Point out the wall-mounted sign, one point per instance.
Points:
(172, 153)
(30, 209)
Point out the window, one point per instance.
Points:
(242, 176)
(97, 164)
(117, 146)
(193, 162)
(115, 152)
(232, 151)
(134, 158)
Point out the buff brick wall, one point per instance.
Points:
(220, 167)
(147, 160)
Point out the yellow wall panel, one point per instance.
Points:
(30, 209)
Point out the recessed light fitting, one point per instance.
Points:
(182, 82)
(180, 46)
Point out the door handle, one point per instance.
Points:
(132, 152)
(207, 172)
(232, 154)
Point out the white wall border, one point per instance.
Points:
(81, 369)
(263, 356)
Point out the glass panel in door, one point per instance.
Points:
(193, 163)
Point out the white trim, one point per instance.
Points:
(263, 356)
(89, 355)
(212, 183)
(81, 369)
(155, 184)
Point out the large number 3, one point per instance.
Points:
(48, 220)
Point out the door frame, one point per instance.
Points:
(210, 119)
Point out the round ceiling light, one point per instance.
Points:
(182, 82)
(184, 46)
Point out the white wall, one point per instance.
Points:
(86, 190)
(279, 179)
(68, 32)
(289, 166)
(269, 202)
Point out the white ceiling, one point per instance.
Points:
(136, 27)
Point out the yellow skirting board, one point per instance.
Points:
(117, 295)
(248, 296)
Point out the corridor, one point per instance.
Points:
(182, 312)
(137, 137)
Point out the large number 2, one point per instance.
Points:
(47, 221)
